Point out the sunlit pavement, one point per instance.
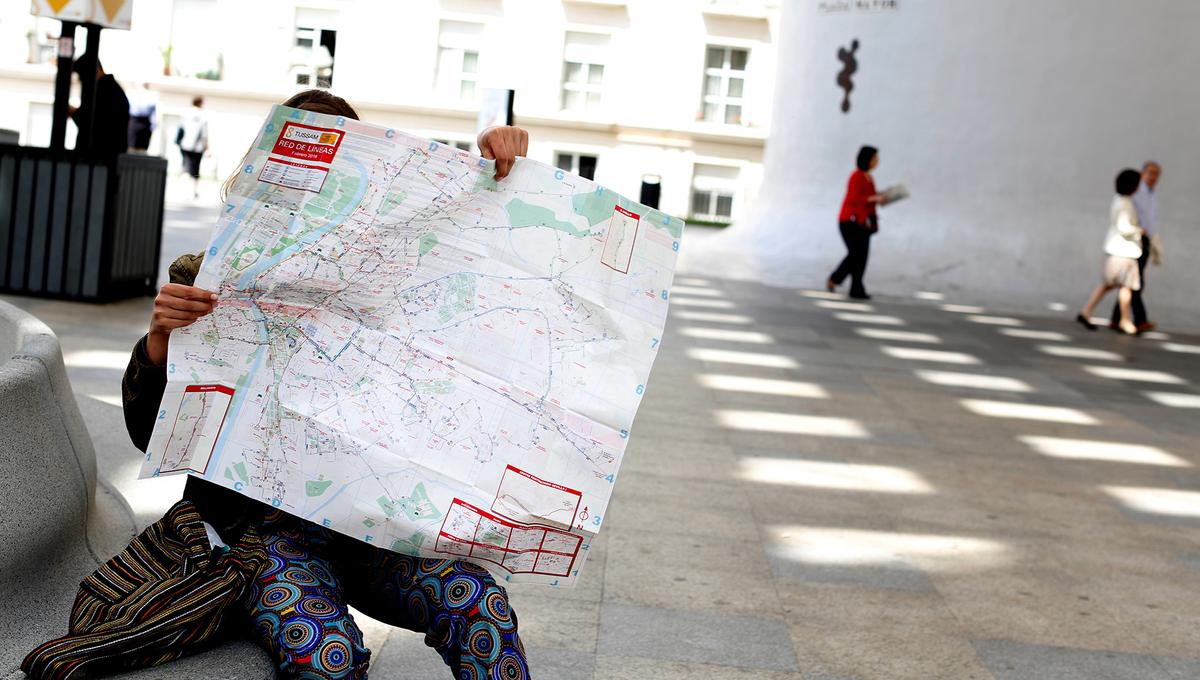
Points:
(821, 489)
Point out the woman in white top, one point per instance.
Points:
(1124, 246)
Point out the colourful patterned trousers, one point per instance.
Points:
(298, 606)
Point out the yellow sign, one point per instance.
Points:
(112, 8)
(107, 13)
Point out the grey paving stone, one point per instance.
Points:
(656, 569)
(826, 454)
(1186, 521)
(634, 668)
(1191, 559)
(898, 576)
(1017, 661)
(696, 636)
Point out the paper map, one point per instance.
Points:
(410, 353)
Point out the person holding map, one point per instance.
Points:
(298, 605)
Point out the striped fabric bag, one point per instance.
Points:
(164, 596)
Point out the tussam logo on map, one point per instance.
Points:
(307, 143)
(297, 143)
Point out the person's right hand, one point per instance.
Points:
(176, 306)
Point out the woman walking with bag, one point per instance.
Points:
(1123, 246)
(858, 222)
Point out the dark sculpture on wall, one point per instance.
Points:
(849, 67)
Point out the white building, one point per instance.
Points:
(1007, 121)
(625, 90)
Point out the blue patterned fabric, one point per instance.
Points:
(298, 606)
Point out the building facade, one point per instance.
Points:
(674, 91)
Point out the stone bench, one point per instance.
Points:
(47, 498)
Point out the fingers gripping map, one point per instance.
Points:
(411, 353)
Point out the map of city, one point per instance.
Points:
(411, 353)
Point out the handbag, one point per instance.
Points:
(166, 595)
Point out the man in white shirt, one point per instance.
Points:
(1145, 202)
(143, 117)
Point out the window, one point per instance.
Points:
(313, 49)
(43, 41)
(724, 84)
(713, 191)
(583, 71)
(580, 164)
(191, 49)
(458, 60)
(460, 145)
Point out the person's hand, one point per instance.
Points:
(176, 306)
(503, 144)
(71, 110)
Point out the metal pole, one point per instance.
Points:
(62, 85)
(87, 93)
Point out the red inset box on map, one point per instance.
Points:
(620, 239)
(198, 423)
(468, 531)
(293, 175)
(525, 498)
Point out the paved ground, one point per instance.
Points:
(822, 490)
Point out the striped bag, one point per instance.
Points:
(164, 596)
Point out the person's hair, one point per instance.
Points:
(1147, 165)
(86, 63)
(1128, 181)
(317, 101)
(321, 101)
(865, 155)
(197, 101)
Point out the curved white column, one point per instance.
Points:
(1007, 120)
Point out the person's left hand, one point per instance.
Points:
(503, 144)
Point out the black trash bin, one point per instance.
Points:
(77, 227)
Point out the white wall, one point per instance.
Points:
(1008, 120)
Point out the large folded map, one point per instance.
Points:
(416, 355)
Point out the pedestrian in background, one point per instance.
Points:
(108, 115)
(143, 117)
(1124, 247)
(1145, 202)
(858, 222)
(192, 139)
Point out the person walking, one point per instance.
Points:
(193, 141)
(1124, 247)
(143, 117)
(858, 222)
(1145, 202)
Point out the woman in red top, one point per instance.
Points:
(858, 223)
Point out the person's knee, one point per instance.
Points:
(308, 652)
